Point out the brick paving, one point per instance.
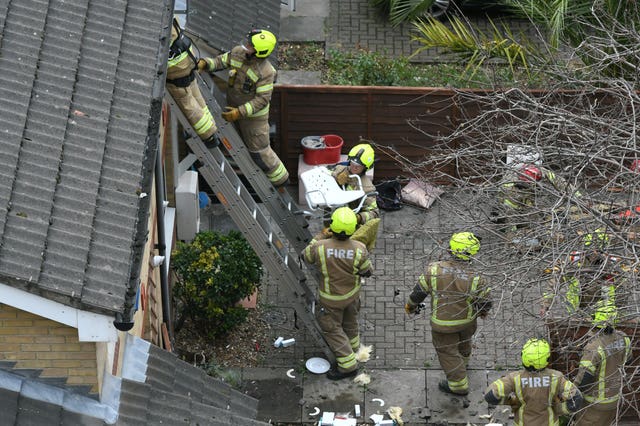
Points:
(408, 239)
(354, 24)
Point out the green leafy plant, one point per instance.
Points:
(470, 44)
(228, 375)
(400, 11)
(571, 22)
(365, 68)
(214, 272)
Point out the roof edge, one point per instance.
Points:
(124, 319)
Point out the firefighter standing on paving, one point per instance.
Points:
(600, 375)
(342, 262)
(458, 297)
(183, 87)
(249, 89)
(537, 395)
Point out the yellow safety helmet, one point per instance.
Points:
(343, 221)
(536, 353)
(606, 314)
(596, 240)
(362, 154)
(263, 41)
(464, 245)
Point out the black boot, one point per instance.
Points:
(212, 141)
(334, 374)
(443, 385)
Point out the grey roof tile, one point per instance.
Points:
(134, 403)
(224, 27)
(169, 409)
(9, 405)
(179, 388)
(77, 105)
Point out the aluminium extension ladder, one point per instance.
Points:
(254, 225)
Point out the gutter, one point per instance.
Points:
(124, 319)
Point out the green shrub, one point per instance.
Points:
(365, 68)
(214, 272)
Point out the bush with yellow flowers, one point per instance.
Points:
(213, 273)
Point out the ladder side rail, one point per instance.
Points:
(281, 205)
(244, 211)
(224, 173)
(242, 216)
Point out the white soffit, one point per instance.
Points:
(91, 327)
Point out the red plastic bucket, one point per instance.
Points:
(321, 149)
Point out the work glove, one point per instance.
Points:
(410, 308)
(202, 64)
(343, 177)
(360, 218)
(513, 402)
(231, 114)
(323, 235)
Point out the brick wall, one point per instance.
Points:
(38, 343)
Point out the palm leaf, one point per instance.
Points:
(407, 10)
(470, 44)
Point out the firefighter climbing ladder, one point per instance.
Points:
(252, 222)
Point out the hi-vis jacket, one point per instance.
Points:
(538, 397)
(251, 87)
(517, 194)
(457, 295)
(341, 263)
(181, 67)
(369, 208)
(599, 376)
(584, 283)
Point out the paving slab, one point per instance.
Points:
(398, 388)
(278, 394)
(457, 409)
(338, 396)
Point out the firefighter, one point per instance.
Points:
(521, 191)
(592, 276)
(458, 297)
(249, 89)
(342, 262)
(600, 374)
(537, 395)
(360, 159)
(183, 87)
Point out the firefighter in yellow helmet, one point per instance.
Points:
(601, 374)
(537, 395)
(183, 87)
(341, 261)
(361, 158)
(590, 275)
(249, 89)
(458, 296)
(527, 191)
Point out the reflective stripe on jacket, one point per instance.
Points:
(341, 262)
(541, 396)
(253, 83)
(603, 358)
(455, 294)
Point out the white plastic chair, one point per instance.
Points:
(322, 190)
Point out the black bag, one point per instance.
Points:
(389, 195)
